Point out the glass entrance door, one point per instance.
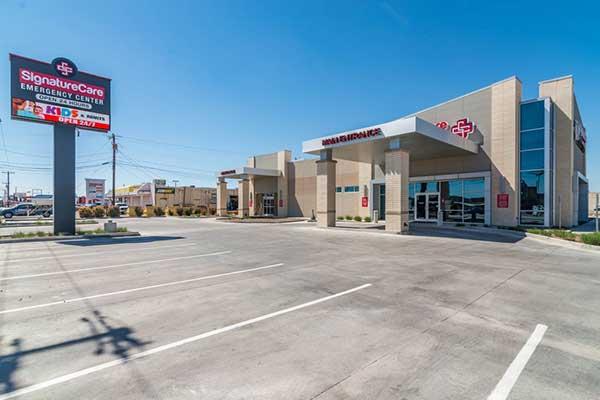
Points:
(421, 207)
(427, 206)
(269, 204)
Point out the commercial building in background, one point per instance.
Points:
(95, 190)
(487, 157)
(157, 194)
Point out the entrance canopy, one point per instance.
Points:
(420, 138)
(248, 172)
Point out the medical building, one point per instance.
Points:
(488, 157)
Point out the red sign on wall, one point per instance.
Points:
(502, 200)
(365, 201)
(462, 128)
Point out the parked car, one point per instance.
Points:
(25, 209)
(123, 207)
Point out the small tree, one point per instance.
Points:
(99, 212)
(114, 212)
(86, 212)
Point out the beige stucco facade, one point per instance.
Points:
(486, 155)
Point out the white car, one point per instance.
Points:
(123, 207)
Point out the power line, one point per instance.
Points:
(183, 146)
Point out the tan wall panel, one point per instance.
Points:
(561, 93)
(506, 99)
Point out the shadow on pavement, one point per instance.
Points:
(118, 341)
(117, 240)
(425, 230)
(432, 230)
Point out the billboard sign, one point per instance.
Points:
(94, 190)
(58, 92)
(165, 190)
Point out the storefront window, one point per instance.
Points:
(411, 201)
(452, 199)
(427, 187)
(474, 201)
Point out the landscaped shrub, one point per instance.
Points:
(212, 211)
(198, 211)
(86, 212)
(187, 211)
(159, 212)
(139, 211)
(358, 219)
(340, 217)
(99, 212)
(170, 212)
(179, 211)
(114, 212)
(348, 217)
(591, 238)
(367, 219)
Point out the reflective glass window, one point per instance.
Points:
(474, 186)
(533, 159)
(452, 199)
(532, 217)
(532, 139)
(532, 115)
(425, 187)
(532, 190)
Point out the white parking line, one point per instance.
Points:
(55, 303)
(503, 388)
(10, 278)
(121, 361)
(86, 254)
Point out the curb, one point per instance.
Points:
(64, 238)
(520, 234)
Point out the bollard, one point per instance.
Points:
(110, 226)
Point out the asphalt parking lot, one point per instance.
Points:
(199, 309)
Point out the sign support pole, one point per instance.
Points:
(64, 179)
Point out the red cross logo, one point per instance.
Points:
(442, 124)
(64, 68)
(463, 128)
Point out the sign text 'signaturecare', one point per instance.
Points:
(58, 92)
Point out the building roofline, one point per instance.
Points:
(556, 79)
(465, 95)
(432, 107)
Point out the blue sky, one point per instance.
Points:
(198, 86)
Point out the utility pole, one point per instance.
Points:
(597, 209)
(8, 186)
(114, 167)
